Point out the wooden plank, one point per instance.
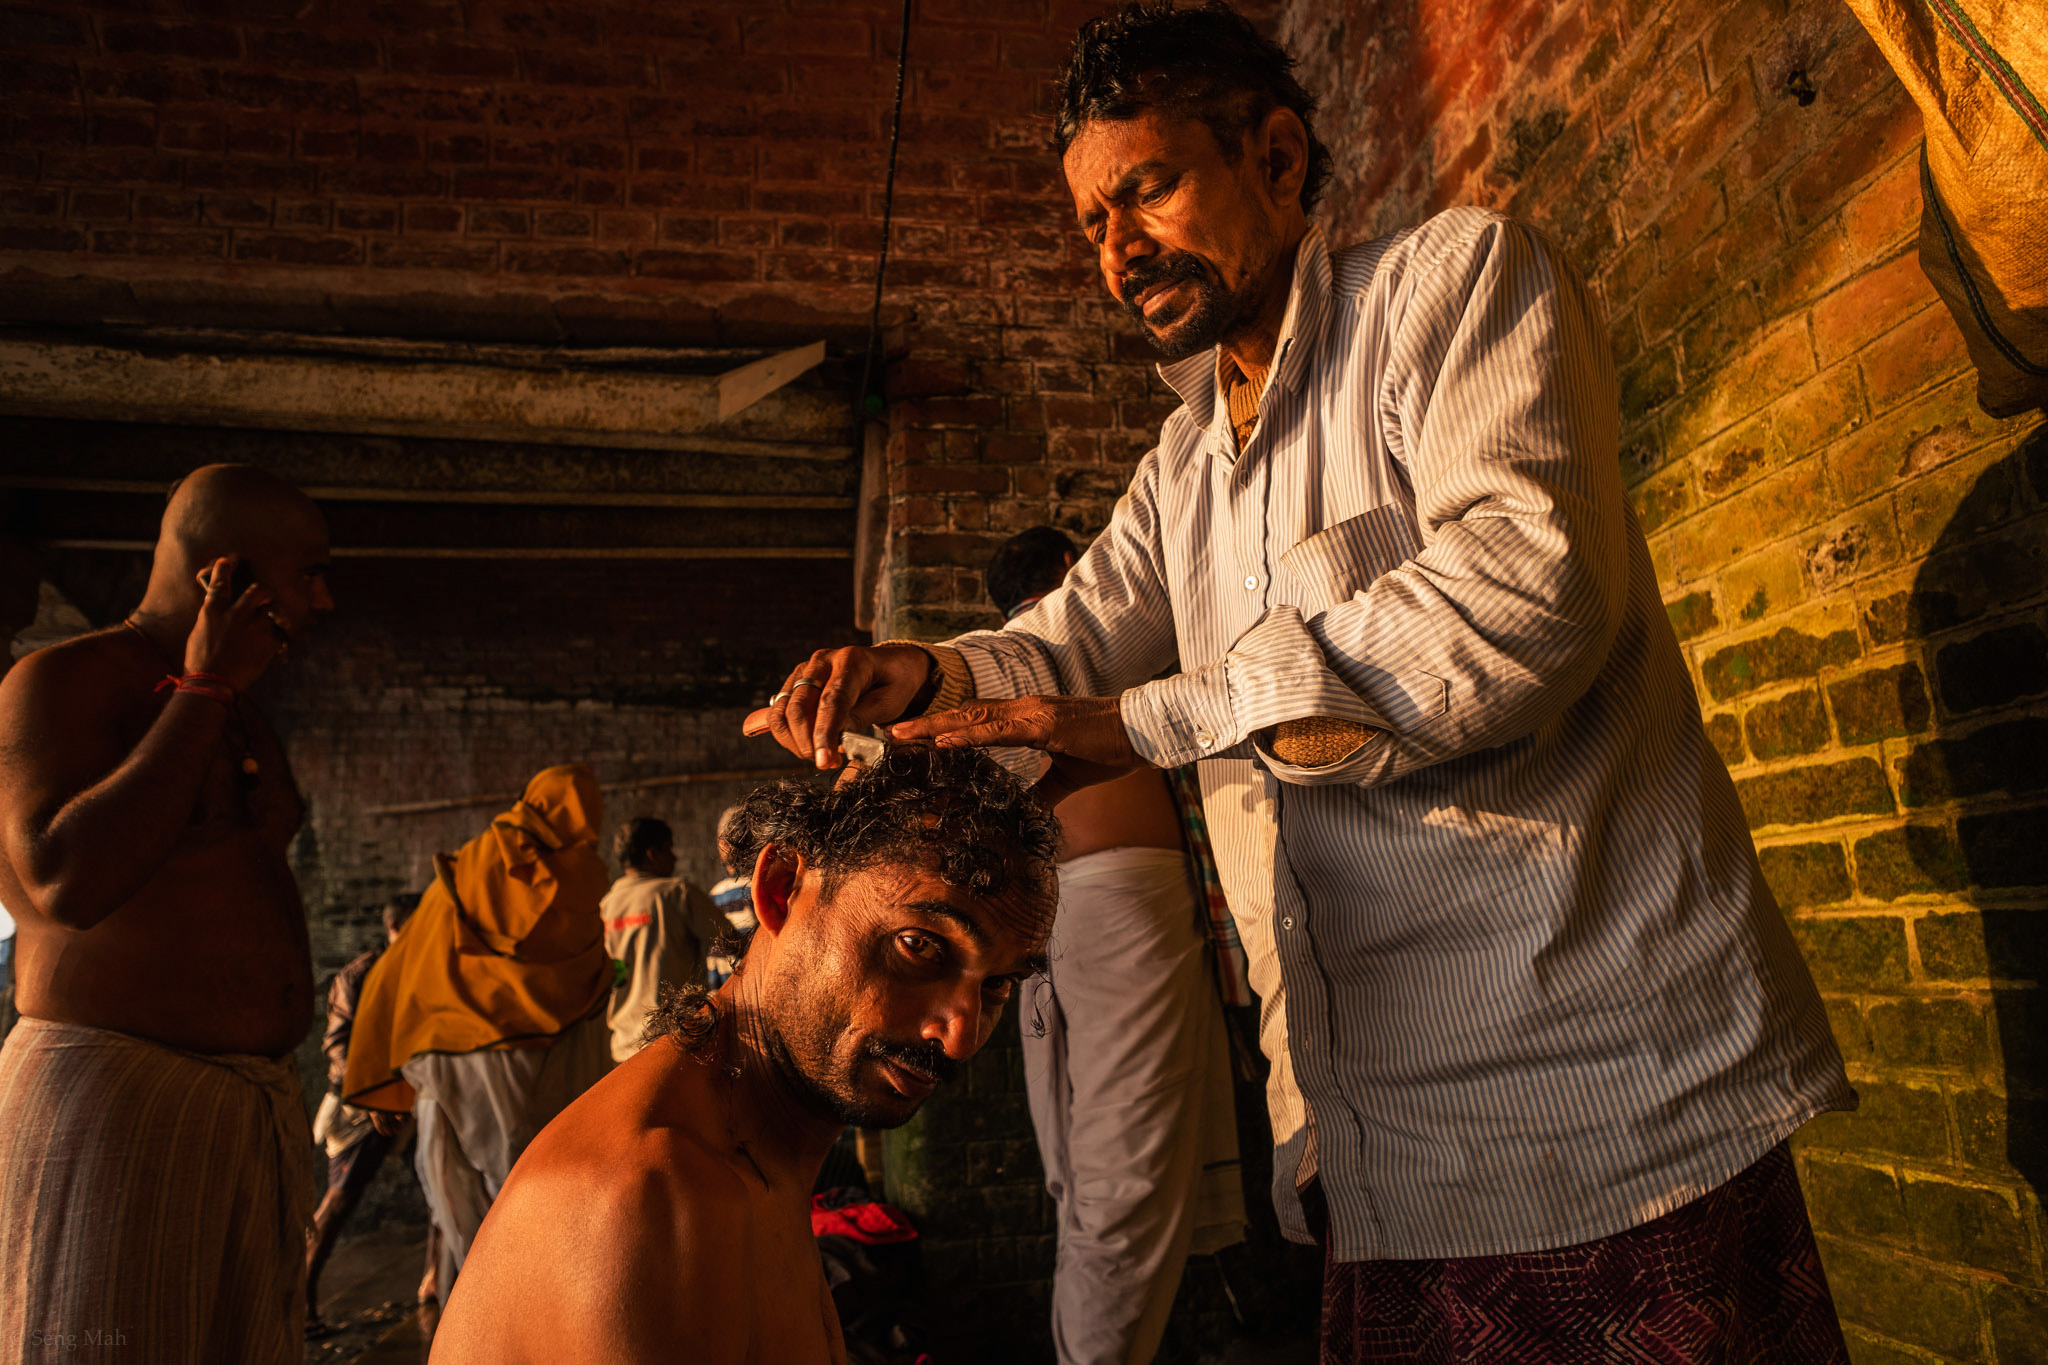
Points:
(740, 389)
(635, 784)
(524, 551)
(454, 398)
(452, 496)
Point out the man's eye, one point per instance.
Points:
(1157, 192)
(919, 946)
(1000, 987)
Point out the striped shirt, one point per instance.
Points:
(1515, 955)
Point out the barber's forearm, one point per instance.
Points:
(105, 844)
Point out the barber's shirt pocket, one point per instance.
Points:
(1344, 559)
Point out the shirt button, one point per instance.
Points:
(1206, 740)
(1251, 582)
(1287, 922)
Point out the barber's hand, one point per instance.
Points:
(235, 635)
(838, 689)
(1085, 737)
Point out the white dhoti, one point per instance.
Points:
(477, 1111)
(1130, 1091)
(153, 1202)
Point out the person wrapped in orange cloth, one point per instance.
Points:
(487, 1016)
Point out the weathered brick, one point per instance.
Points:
(1965, 1225)
(1869, 305)
(1825, 791)
(1910, 860)
(2019, 1320)
(1779, 657)
(1852, 1200)
(1805, 875)
(291, 250)
(1891, 1119)
(1796, 723)
(1692, 615)
(1859, 953)
(1724, 732)
(1942, 1032)
(2010, 757)
(2008, 848)
(1908, 1302)
(1879, 704)
(1993, 668)
(1952, 947)
(1926, 346)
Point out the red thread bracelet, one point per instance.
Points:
(211, 685)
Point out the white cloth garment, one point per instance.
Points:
(1533, 985)
(661, 928)
(1127, 1070)
(477, 1111)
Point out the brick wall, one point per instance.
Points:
(1850, 549)
(603, 173)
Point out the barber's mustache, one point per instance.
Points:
(927, 1058)
(1157, 270)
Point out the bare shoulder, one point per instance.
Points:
(61, 707)
(634, 1234)
(75, 675)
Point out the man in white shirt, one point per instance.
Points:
(656, 925)
(1548, 1031)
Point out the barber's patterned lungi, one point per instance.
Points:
(1732, 1278)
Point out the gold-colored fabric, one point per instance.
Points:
(1979, 73)
(1317, 741)
(1242, 388)
(506, 948)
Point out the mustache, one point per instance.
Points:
(927, 1058)
(1148, 273)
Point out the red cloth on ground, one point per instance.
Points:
(874, 1224)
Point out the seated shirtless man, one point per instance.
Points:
(154, 1151)
(665, 1215)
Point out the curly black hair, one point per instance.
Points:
(1205, 62)
(955, 812)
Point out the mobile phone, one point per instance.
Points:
(243, 580)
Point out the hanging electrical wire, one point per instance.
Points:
(870, 380)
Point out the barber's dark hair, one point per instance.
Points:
(1205, 62)
(1028, 564)
(639, 837)
(953, 812)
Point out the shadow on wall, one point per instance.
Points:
(1977, 611)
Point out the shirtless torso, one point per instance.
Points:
(210, 952)
(1135, 811)
(143, 831)
(663, 1239)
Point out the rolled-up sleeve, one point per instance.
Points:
(1498, 398)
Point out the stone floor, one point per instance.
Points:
(366, 1296)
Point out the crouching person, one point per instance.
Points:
(666, 1214)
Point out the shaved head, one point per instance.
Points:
(235, 509)
(273, 531)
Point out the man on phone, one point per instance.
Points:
(154, 1153)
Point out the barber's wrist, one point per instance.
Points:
(947, 681)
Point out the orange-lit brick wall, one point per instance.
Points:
(1853, 555)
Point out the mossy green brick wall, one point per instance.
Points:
(1855, 556)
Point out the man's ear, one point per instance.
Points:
(776, 876)
(1284, 139)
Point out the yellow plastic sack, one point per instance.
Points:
(1978, 69)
